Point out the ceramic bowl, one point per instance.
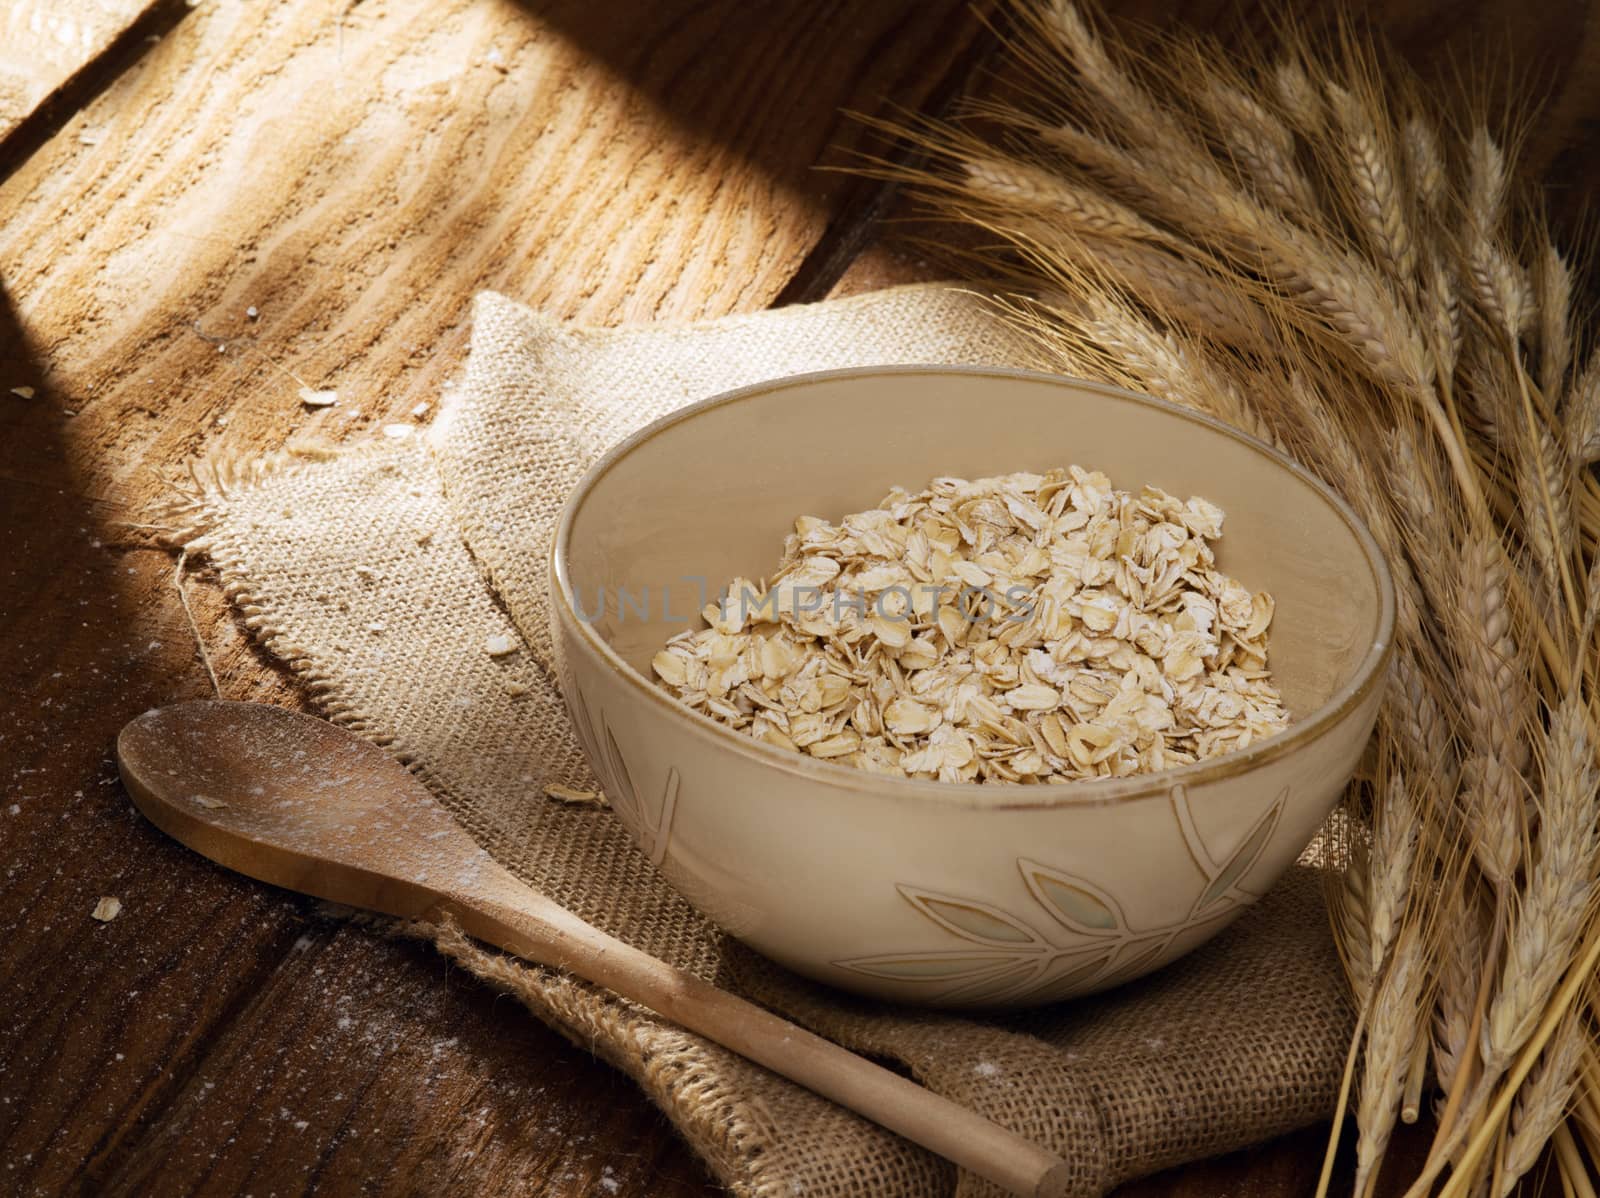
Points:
(931, 892)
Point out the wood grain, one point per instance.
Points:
(352, 176)
(97, 1021)
(368, 1066)
(44, 44)
(352, 172)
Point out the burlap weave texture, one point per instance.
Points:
(379, 574)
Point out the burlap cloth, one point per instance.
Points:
(379, 573)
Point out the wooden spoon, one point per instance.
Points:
(300, 803)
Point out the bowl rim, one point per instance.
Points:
(994, 796)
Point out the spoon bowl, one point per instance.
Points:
(298, 802)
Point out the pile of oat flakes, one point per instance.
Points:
(1023, 628)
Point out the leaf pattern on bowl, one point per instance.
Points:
(649, 822)
(1008, 955)
(1081, 906)
(1086, 941)
(1225, 877)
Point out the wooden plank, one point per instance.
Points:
(352, 176)
(490, 150)
(367, 1066)
(97, 1020)
(44, 44)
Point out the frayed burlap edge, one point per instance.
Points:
(191, 519)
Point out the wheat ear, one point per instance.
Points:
(1425, 164)
(1497, 282)
(1493, 694)
(1020, 184)
(1176, 289)
(1349, 894)
(1460, 976)
(1298, 96)
(1420, 729)
(1544, 486)
(1391, 1036)
(1119, 343)
(1396, 826)
(1441, 308)
(1542, 1103)
(1261, 146)
(1376, 187)
(1582, 414)
(1551, 915)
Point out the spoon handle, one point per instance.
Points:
(533, 927)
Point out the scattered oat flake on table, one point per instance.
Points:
(517, 689)
(313, 398)
(23, 392)
(107, 909)
(399, 431)
(499, 645)
(574, 797)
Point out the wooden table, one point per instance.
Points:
(205, 205)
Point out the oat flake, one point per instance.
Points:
(1024, 628)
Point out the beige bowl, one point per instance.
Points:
(934, 892)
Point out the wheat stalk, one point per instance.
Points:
(1396, 827)
(1375, 180)
(1542, 1103)
(1311, 248)
(1560, 889)
(1391, 1036)
(1493, 699)
(1082, 209)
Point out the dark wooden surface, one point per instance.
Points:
(353, 172)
